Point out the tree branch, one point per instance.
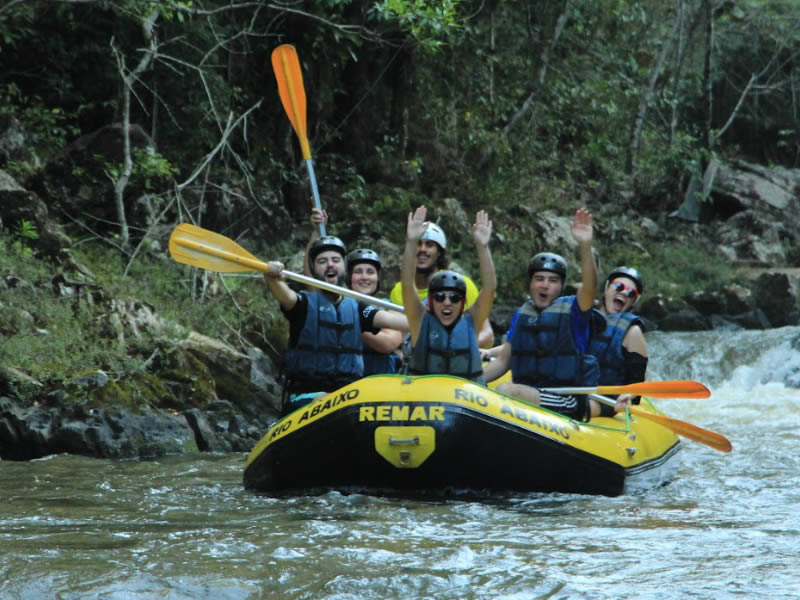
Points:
(545, 60)
(229, 127)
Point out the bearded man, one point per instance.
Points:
(324, 327)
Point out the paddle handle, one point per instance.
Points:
(315, 192)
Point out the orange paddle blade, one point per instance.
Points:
(659, 389)
(687, 430)
(286, 66)
(654, 389)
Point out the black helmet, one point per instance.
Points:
(363, 255)
(547, 261)
(326, 242)
(447, 280)
(628, 272)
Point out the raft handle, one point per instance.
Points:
(414, 441)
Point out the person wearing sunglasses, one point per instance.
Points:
(431, 257)
(621, 349)
(547, 342)
(444, 336)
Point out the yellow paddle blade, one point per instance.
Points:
(687, 430)
(198, 247)
(286, 66)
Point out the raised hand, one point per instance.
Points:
(417, 224)
(319, 216)
(581, 226)
(482, 228)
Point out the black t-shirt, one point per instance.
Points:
(297, 316)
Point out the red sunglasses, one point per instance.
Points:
(621, 288)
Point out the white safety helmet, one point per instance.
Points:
(435, 233)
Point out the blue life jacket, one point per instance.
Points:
(543, 349)
(607, 347)
(453, 352)
(329, 344)
(379, 363)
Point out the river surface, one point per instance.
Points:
(728, 526)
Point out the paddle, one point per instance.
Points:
(198, 247)
(654, 389)
(286, 66)
(687, 430)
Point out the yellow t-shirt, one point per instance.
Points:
(396, 294)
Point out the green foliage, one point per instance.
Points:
(149, 168)
(51, 337)
(670, 267)
(16, 246)
(428, 22)
(47, 127)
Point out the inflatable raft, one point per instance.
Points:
(442, 435)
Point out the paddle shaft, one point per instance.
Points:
(257, 265)
(315, 192)
(654, 389)
(682, 428)
(291, 78)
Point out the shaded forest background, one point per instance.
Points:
(517, 107)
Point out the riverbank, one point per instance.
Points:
(131, 355)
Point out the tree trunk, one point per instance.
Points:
(645, 98)
(707, 82)
(129, 79)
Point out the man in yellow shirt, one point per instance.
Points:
(432, 257)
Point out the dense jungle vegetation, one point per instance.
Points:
(519, 106)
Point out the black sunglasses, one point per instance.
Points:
(625, 290)
(455, 297)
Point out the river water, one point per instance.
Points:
(728, 526)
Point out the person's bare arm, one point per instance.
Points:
(501, 364)
(480, 309)
(414, 308)
(276, 283)
(318, 216)
(391, 319)
(385, 341)
(634, 340)
(582, 231)
(486, 335)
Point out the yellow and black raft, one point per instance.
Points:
(442, 435)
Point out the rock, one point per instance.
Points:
(777, 298)
(737, 299)
(97, 379)
(753, 238)
(687, 319)
(706, 303)
(754, 319)
(204, 434)
(654, 308)
(19, 205)
(14, 142)
(741, 185)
